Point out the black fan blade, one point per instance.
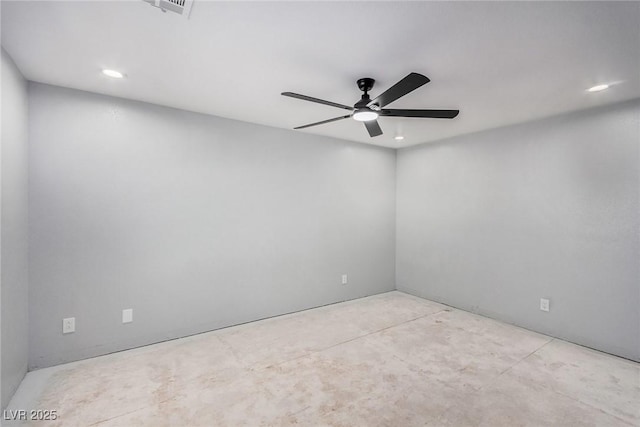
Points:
(319, 101)
(373, 128)
(432, 114)
(410, 83)
(323, 122)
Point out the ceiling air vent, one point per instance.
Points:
(181, 7)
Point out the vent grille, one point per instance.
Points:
(181, 7)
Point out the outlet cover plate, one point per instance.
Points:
(544, 304)
(68, 325)
(127, 315)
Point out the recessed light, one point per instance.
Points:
(113, 74)
(399, 138)
(598, 88)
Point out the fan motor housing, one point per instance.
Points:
(364, 101)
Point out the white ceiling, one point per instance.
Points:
(499, 63)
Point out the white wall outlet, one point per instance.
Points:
(544, 304)
(68, 325)
(345, 279)
(127, 315)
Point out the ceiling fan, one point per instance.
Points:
(367, 110)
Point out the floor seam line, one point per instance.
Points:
(575, 399)
(526, 357)
(232, 350)
(376, 331)
(126, 413)
(315, 351)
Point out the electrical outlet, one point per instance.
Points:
(127, 315)
(345, 279)
(544, 304)
(68, 325)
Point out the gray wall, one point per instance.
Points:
(492, 222)
(195, 222)
(199, 222)
(13, 230)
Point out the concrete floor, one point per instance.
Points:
(387, 360)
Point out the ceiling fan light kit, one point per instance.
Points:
(367, 110)
(364, 115)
